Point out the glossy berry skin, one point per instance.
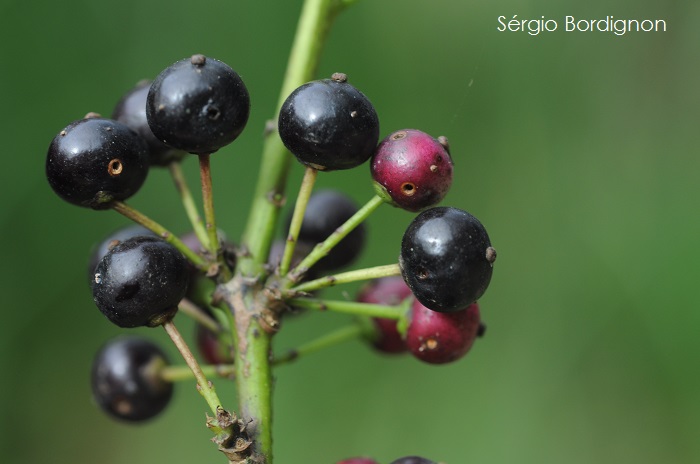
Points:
(358, 461)
(439, 338)
(95, 161)
(387, 291)
(198, 105)
(446, 258)
(112, 240)
(413, 460)
(326, 211)
(131, 110)
(140, 282)
(412, 170)
(126, 382)
(329, 125)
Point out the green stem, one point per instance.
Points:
(180, 373)
(350, 307)
(347, 277)
(322, 249)
(162, 232)
(307, 185)
(175, 168)
(313, 27)
(206, 388)
(325, 341)
(208, 200)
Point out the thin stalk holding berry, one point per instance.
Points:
(307, 185)
(175, 169)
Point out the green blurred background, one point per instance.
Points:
(578, 151)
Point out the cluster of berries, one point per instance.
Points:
(198, 105)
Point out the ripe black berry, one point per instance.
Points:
(114, 239)
(439, 338)
(95, 161)
(198, 105)
(412, 169)
(131, 110)
(387, 291)
(446, 258)
(328, 124)
(413, 460)
(326, 211)
(140, 282)
(126, 380)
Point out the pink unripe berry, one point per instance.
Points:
(439, 338)
(412, 170)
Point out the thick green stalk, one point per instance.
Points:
(314, 24)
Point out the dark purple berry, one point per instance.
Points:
(439, 338)
(112, 240)
(131, 110)
(446, 258)
(412, 170)
(126, 380)
(140, 282)
(413, 460)
(95, 161)
(198, 105)
(329, 125)
(387, 291)
(326, 211)
(211, 348)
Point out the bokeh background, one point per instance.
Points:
(578, 151)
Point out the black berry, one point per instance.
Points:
(112, 240)
(95, 161)
(198, 105)
(140, 282)
(131, 110)
(326, 211)
(412, 169)
(126, 380)
(446, 258)
(439, 338)
(328, 124)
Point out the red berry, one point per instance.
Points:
(412, 169)
(388, 291)
(211, 348)
(439, 338)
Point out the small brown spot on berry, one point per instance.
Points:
(408, 189)
(198, 60)
(431, 344)
(490, 255)
(115, 167)
(92, 115)
(433, 168)
(353, 114)
(339, 77)
(398, 135)
(63, 133)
